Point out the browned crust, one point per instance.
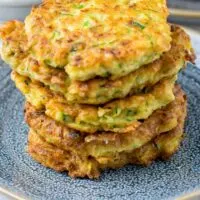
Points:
(55, 146)
(14, 51)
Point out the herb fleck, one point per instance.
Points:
(106, 74)
(138, 24)
(56, 35)
(79, 6)
(130, 112)
(47, 62)
(66, 118)
(117, 111)
(86, 24)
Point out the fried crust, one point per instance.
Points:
(61, 148)
(99, 39)
(113, 116)
(99, 90)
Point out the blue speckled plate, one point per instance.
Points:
(22, 176)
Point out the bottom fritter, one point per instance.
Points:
(62, 149)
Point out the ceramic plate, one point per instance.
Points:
(184, 4)
(185, 11)
(20, 176)
(16, 9)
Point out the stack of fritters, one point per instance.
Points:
(99, 80)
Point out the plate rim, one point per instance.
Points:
(177, 12)
(190, 195)
(11, 194)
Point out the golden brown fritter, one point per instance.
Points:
(99, 79)
(99, 90)
(61, 148)
(113, 116)
(98, 37)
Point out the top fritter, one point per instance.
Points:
(103, 38)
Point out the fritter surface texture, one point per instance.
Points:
(61, 148)
(113, 116)
(98, 90)
(98, 37)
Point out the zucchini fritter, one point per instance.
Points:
(95, 91)
(103, 38)
(99, 79)
(61, 148)
(112, 116)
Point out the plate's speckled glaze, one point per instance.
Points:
(162, 180)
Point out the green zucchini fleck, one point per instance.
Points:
(138, 24)
(86, 24)
(130, 112)
(56, 35)
(47, 62)
(66, 118)
(117, 111)
(119, 65)
(117, 92)
(78, 6)
(106, 74)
